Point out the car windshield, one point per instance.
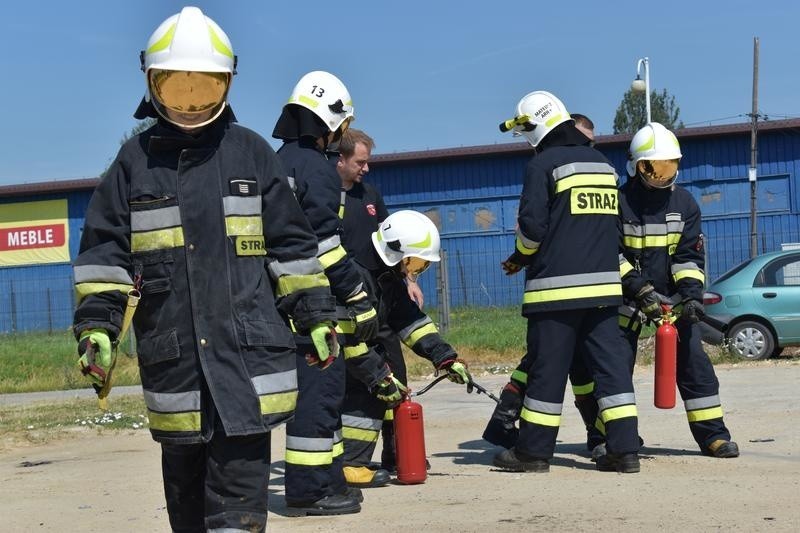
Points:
(733, 271)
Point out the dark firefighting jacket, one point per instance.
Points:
(567, 232)
(662, 240)
(403, 316)
(318, 189)
(365, 211)
(208, 229)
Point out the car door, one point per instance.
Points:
(776, 292)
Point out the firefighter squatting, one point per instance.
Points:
(261, 292)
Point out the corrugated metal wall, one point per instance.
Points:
(474, 201)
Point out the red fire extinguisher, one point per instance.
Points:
(666, 363)
(409, 438)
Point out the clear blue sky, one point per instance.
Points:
(423, 74)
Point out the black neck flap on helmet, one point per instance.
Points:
(296, 122)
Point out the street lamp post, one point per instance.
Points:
(638, 85)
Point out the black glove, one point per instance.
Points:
(364, 316)
(649, 302)
(693, 310)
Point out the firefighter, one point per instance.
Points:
(501, 429)
(364, 210)
(664, 241)
(318, 112)
(403, 247)
(185, 215)
(567, 241)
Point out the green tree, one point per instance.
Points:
(632, 111)
(137, 129)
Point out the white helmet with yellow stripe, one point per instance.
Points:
(538, 113)
(654, 155)
(188, 64)
(410, 237)
(326, 96)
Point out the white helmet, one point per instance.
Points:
(407, 236)
(537, 114)
(326, 96)
(655, 152)
(193, 45)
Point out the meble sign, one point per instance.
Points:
(34, 233)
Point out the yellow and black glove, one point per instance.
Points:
(94, 355)
(326, 345)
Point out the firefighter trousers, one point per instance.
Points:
(389, 345)
(218, 485)
(554, 337)
(362, 420)
(697, 384)
(314, 436)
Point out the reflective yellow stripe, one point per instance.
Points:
(524, 250)
(164, 42)
(599, 426)
(704, 414)
(189, 421)
(355, 351)
(583, 389)
(219, 46)
(282, 402)
(689, 273)
(589, 201)
(553, 120)
(388, 415)
(238, 225)
(366, 316)
(310, 102)
(540, 418)
(297, 457)
(338, 449)
(616, 413)
(156, 240)
(293, 283)
(341, 211)
(82, 290)
(651, 241)
(365, 435)
(572, 293)
(427, 329)
(585, 180)
(332, 257)
(624, 268)
(345, 326)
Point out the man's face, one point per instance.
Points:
(352, 169)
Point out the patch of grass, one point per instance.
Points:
(32, 362)
(40, 422)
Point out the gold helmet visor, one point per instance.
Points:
(658, 173)
(188, 99)
(414, 266)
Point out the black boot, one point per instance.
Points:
(514, 460)
(501, 429)
(624, 463)
(329, 505)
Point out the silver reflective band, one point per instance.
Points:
(526, 242)
(361, 423)
(241, 205)
(404, 333)
(571, 169)
(625, 398)
(108, 274)
(677, 267)
(164, 217)
(326, 245)
(172, 402)
(298, 267)
(574, 280)
(702, 403)
(278, 382)
(308, 444)
(542, 407)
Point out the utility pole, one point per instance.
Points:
(751, 175)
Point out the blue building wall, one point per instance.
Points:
(474, 201)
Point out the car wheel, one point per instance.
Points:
(751, 340)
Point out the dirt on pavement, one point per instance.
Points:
(110, 480)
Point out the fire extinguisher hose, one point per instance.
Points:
(471, 385)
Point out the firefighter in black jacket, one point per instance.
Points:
(318, 112)
(664, 243)
(364, 210)
(185, 215)
(567, 239)
(403, 247)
